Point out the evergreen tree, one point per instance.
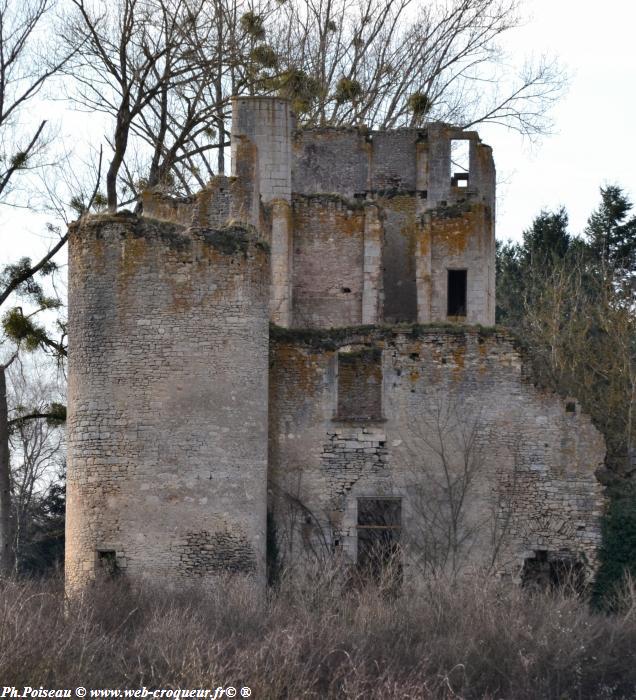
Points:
(509, 282)
(547, 240)
(522, 268)
(43, 549)
(617, 555)
(571, 301)
(20, 331)
(610, 234)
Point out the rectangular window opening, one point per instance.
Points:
(107, 563)
(360, 385)
(457, 283)
(379, 528)
(460, 162)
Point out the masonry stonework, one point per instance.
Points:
(167, 421)
(313, 337)
(457, 405)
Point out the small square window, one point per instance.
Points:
(107, 563)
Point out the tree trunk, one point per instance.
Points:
(120, 143)
(218, 87)
(6, 515)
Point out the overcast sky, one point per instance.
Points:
(592, 143)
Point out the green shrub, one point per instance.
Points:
(617, 554)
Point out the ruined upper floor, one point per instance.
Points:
(365, 227)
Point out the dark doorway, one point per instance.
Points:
(379, 527)
(457, 293)
(546, 571)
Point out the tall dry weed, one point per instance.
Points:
(321, 635)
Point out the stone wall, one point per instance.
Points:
(208, 208)
(426, 224)
(328, 262)
(268, 123)
(182, 413)
(167, 422)
(355, 161)
(402, 233)
(393, 160)
(378, 261)
(330, 161)
(458, 407)
(461, 237)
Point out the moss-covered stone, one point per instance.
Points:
(333, 338)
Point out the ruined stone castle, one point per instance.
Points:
(301, 362)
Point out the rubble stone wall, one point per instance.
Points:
(458, 407)
(167, 422)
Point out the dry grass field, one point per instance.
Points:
(473, 639)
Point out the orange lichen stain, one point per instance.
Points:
(300, 366)
(204, 197)
(132, 253)
(97, 253)
(281, 210)
(483, 354)
(242, 188)
(424, 240)
(459, 355)
(157, 205)
(453, 231)
(351, 225)
(453, 234)
(402, 203)
(333, 217)
(414, 375)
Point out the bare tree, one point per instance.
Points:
(398, 62)
(123, 56)
(163, 71)
(187, 123)
(297, 525)
(25, 66)
(36, 445)
(7, 528)
(445, 444)
(23, 332)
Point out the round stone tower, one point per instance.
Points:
(167, 405)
